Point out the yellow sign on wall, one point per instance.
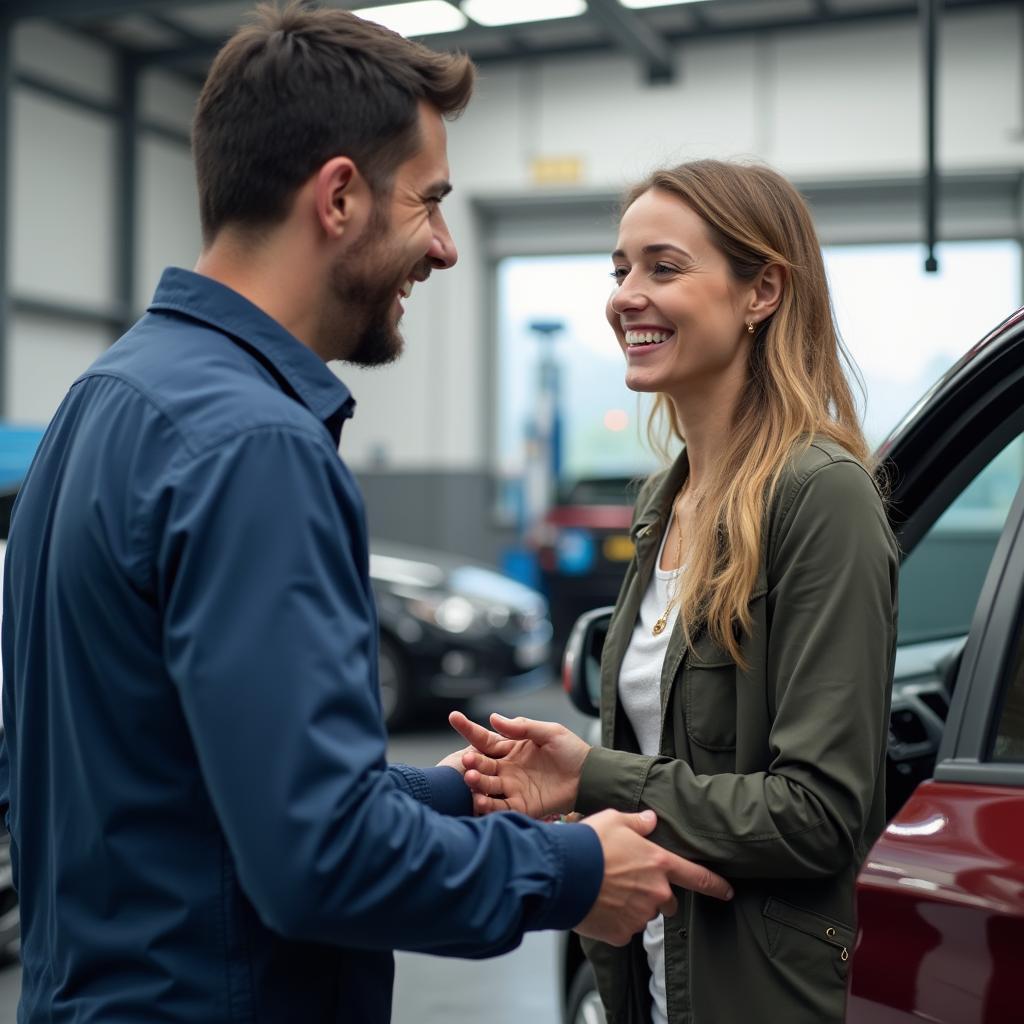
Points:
(556, 170)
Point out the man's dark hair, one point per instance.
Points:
(299, 86)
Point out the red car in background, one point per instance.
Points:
(582, 547)
(940, 897)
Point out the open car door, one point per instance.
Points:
(940, 903)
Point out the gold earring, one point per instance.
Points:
(750, 327)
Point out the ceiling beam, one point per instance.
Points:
(79, 9)
(632, 33)
(183, 32)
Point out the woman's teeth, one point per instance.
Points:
(647, 337)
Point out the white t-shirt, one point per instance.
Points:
(640, 693)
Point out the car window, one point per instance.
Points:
(942, 577)
(1009, 738)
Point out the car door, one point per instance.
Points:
(940, 903)
(940, 900)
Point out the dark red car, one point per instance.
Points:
(583, 546)
(940, 898)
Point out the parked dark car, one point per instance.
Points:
(940, 898)
(582, 547)
(452, 629)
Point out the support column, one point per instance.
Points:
(929, 31)
(6, 134)
(127, 184)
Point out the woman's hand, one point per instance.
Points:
(488, 743)
(539, 775)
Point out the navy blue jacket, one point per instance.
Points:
(204, 827)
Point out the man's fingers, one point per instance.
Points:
(526, 729)
(698, 878)
(670, 907)
(642, 823)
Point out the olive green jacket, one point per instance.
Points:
(772, 776)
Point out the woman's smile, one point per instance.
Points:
(643, 340)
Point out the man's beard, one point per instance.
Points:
(371, 337)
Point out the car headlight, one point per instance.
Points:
(498, 616)
(454, 614)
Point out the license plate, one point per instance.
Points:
(618, 548)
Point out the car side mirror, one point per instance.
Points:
(581, 663)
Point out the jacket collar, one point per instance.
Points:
(201, 298)
(653, 516)
(657, 505)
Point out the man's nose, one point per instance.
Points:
(442, 252)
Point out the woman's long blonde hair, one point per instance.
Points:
(796, 387)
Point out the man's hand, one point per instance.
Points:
(538, 775)
(489, 745)
(638, 877)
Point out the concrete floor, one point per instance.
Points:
(518, 987)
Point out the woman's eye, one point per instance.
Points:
(619, 274)
(664, 268)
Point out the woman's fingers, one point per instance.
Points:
(479, 737)
(488, 785)
(526, 729)
(487, 805)
(472, 758)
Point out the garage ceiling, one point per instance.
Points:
(184, 34)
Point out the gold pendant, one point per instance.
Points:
(659, 626)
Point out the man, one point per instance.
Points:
(202, 818)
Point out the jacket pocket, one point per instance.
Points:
(806, 937)
(709, 696)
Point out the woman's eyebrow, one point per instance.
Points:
(651, 250)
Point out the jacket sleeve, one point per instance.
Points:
(830, 650)
(270, 640)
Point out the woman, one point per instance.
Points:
(748, 665)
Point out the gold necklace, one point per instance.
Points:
(659, 626)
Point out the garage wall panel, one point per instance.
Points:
(168, 221)
(847, 103)
(63, 211)
(65, 59)
(981, 94)
(45, 355)
(167, 100)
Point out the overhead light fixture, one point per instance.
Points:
(419, 18)
(639, 5)
(518, 12)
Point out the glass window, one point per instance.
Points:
(1009, 741)
(942, 577)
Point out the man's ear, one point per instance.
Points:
(767, 291)
(341, 196)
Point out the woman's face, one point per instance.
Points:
(677, 310)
